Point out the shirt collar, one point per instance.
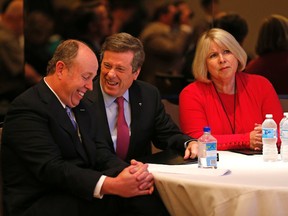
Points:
(64, 106)
(109, 100)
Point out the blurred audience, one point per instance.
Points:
(11, 54)
(62, 17)
(165, 41)
(184, 13)
(91, 23)
(272, 51)
(40, 44)
(45, 6)
(211, 9)
(235, 25)
(128, 16)
(184, 16)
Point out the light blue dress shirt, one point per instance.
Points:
(112, 113)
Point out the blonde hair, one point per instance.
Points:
(223, 39)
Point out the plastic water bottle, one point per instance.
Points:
(207, 150)
(285, 115)
(269, 139)
(284, 137)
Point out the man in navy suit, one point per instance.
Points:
(50, 167)
(122, 56)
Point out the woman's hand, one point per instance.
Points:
(256, 138)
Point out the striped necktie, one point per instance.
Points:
(69, 113)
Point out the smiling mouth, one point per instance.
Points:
(112, 83)
(81, 93)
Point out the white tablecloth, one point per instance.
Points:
(241, 186)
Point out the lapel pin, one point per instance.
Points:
(140, 104)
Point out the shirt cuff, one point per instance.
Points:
(187, 142)
(97, 190)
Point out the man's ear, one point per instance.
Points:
(136, 73)
(59, 68)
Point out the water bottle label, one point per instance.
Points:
(211, 146)
(269, 133)
(211, 154)
(284, 134)
(211, 161)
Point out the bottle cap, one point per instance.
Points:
(206, 129)
(269, 116)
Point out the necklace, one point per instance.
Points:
(233, 127)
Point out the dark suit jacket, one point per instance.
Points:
(149, 121)
(42, 153)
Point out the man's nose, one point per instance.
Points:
(89, 85)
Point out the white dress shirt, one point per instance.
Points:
(99, 184)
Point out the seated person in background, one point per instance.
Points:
(12, 81)
(38, 44)
(235, 25)
(231, 102)
(212, 11)
(165, 42)
(272, 51)
(91, 23)
(122, 56)
(51, 163)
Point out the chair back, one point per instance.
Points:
(1, 185)
(284, 102)
(172, 109)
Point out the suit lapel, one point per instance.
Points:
(96, 99)
(136, 103)
(83, 121)
(61, 117)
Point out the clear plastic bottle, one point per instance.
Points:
(285, 116)
(207, 150)
(269, 139)
(284, 137)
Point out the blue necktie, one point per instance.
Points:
(69, 113)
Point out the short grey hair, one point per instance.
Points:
(124, 42)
